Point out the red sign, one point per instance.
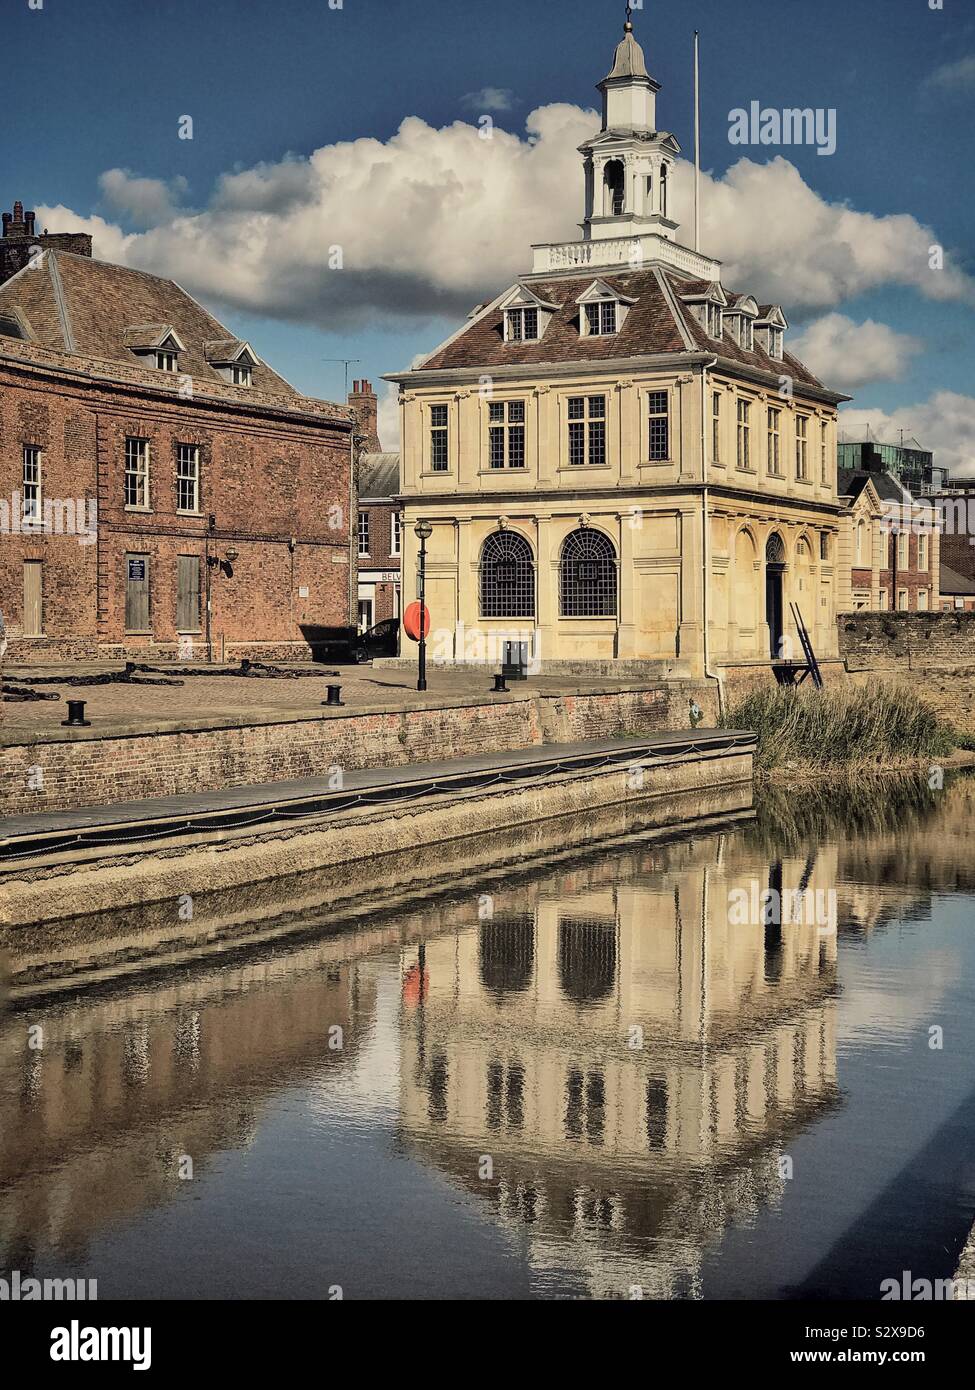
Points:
(411, 621)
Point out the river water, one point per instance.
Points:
(610, 1074)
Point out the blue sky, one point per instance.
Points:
(101, 85)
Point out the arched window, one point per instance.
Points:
(663, 190)
(587, 575)
(615, 181)
(507, 577)
(861, 537)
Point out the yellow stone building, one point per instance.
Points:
(619, 458)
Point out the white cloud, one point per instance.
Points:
(944, 423)
(144, 202)
(846, 355)
(110, 243)
(388, 425)
(954, 77)
(432, 221)
(489, 99)
(782, 242)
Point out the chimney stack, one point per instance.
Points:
(363, 401)
(20, 237)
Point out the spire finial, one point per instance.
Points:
(628, 26)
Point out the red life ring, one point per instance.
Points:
(411, 621)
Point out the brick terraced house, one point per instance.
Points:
(163, 491)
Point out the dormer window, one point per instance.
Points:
(741, 331)
(707, 302)
(770, 329)
(526, 316)
(601, 318)
(521, 325)
(602, 310)
(155, 345)
(233, 359)
(741, 314)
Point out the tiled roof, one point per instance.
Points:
(951, 582)
(378, 475)
(850, 482)
(651, 327)
(87, 307)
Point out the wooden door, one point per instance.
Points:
(33, 598)
(188, 593)
(137, 593)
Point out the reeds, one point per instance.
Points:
(874, 727)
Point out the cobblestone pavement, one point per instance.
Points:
(233, 699)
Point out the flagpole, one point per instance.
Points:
(697, 142)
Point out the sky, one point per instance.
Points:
(338, 197)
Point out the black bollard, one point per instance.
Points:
(76, 716)
(334, 697)
(499, 686)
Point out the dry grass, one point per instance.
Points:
(881, 726)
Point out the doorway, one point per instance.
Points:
(774, 570)
(33, 598)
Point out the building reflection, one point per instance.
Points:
(99, 1109)
(632, 1060)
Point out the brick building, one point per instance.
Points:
(379, 539)
(883, 568)
(150, 460)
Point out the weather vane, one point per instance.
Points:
(629, 12)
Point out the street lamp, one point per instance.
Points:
(423, 531)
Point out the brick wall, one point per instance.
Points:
(277, 483)
(92, 771)
(891, 640)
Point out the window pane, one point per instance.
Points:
(577, 407)
(516, 446)
(597, 442)
(516, 412)
(496, 448)
(597, 407)
(577, 444)
(496, 412)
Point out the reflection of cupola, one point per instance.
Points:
(629, 163)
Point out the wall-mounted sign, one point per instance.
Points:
(137, 569)
(303, 591)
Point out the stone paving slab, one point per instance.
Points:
(224, 701)
(229, 799)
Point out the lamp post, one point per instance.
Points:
(423, 531)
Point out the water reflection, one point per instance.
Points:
(607, 1066)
